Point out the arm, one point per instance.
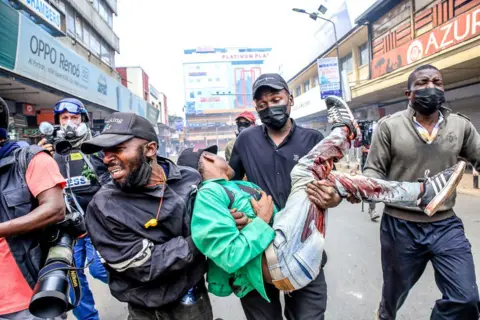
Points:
(45, 183)
(228, 150)
(136, 257)
(236, 162)
(51, 209)
(379, 156)
(471, 146)
(215, 233)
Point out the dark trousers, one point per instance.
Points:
(407, 247)
(309, 303)
(201, 310)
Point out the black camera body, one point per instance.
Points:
(60, 144)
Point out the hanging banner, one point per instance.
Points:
(329, 77)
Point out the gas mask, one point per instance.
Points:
(70, 131)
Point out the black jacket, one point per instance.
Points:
(148, 267)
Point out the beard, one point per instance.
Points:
(140, 174)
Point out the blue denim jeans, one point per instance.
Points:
(300, 227)
(83, 253)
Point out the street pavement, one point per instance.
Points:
(353, 270)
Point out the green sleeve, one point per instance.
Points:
(215, 234)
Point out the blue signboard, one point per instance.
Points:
(43, 58)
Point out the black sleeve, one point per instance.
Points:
(236, 161)
(135, 257)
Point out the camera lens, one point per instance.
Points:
(50, 295)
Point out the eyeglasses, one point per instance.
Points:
(69, 107)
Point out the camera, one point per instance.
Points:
(61, 145)
(51, 292)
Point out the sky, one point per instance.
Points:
(154, 33)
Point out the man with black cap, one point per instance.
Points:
(244, 120)
(267, 155)
(140, 225)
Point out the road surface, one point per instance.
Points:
(353, 270)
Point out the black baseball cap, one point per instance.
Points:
(119, 128)
(190, 157)
(272, 80)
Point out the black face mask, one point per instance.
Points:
(428, 100)
(242, 126)
(274, 117)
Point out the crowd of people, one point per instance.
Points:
(163, 235)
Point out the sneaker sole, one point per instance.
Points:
(344, 104)
(438, 200)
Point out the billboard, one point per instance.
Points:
(329, 77)
(220, 78)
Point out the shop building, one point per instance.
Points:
(390, 40)
(42, 61)
(406, 34)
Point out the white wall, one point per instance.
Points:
(134, 81)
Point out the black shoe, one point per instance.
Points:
(340, 115)
(439, 187)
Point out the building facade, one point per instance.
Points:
(406, 34)
(218, 86)
(390, 40)
(61, 48)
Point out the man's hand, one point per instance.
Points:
(47, 146)
(264, 207)
(323, 194)
(240, 219)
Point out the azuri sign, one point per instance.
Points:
(43, 10)
(462, 28)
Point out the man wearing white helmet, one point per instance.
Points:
(85, 176)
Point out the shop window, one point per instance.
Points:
(94, 44)
(102, 10)
(70, 21)
(86, 35)
(306, 86)
(95, 4)
(346, 63)
(78, 27)
(105, 54)
(363, 54)
(298, 91)
(315, 81)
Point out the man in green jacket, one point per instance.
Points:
(241, 260)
